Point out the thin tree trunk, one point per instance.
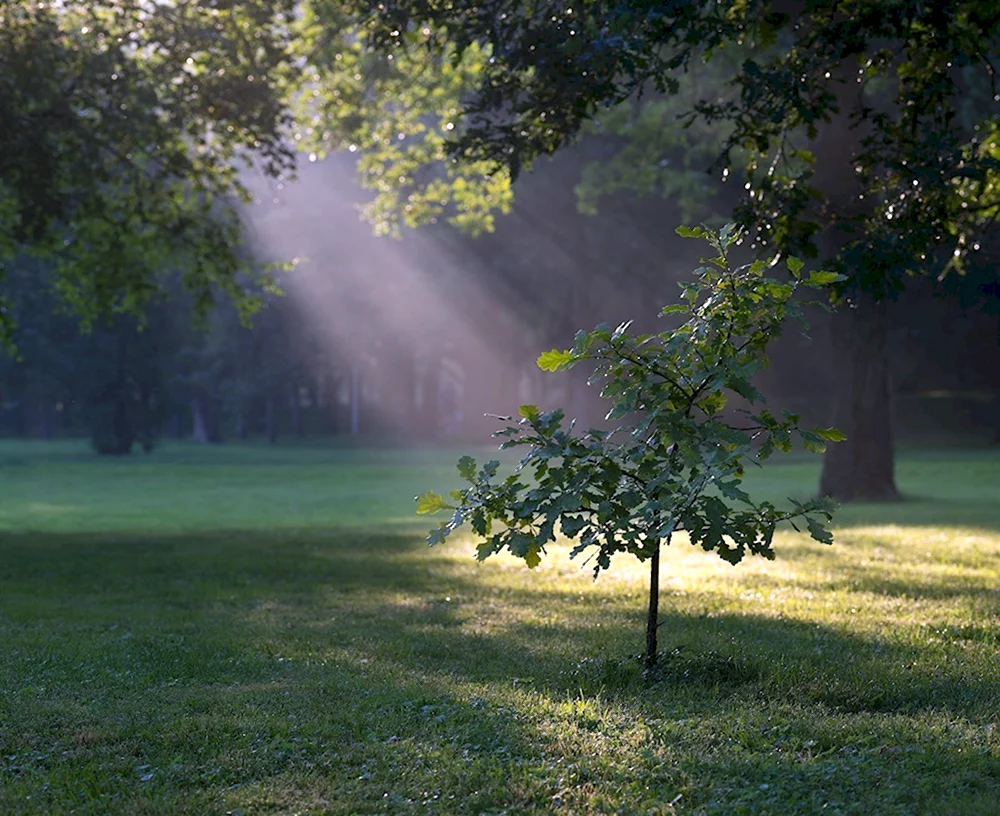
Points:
(430, 408)
(296, 406)
(205, 420)
(270, 421)
(122, 429)
(44, 420)
(199, 430)
(861, 468)
(653, 612)
(355, 399)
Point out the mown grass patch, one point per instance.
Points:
(263, 631)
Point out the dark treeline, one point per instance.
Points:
(415, 340)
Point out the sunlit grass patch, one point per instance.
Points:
(174, 661)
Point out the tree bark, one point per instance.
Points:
(653, 611)
(862, 467)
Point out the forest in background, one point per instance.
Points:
(417, 339)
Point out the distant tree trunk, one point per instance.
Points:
(205, 421)
(146, 425)
(996, 391)
(270, 421)
(44, 420)
(355, 399)
(240, 430)
(115, 429)
(20, 420)
(331, 404)
(200, 429)
(861, 468)
(430, 408)
(296, 406)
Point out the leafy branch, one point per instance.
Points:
(690, 420)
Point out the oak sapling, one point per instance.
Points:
(674, 459)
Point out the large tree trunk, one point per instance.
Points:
(862, 467)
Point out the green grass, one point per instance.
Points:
(261, 631)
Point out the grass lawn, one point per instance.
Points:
(247, 630)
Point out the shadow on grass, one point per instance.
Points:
(253, 656)
(301, 594)
(978, 513)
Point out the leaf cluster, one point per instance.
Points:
(127, 125)
(875, 118)
(686, 422)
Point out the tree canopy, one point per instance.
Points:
(865, 132)
(126, 126)
(901, 95)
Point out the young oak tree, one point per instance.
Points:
(676, 460)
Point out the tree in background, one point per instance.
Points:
(866, 133)
(125, 128)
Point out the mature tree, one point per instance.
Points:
(125, 124)
(866, 132)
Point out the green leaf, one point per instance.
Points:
(431, 502)
(529, 412)
(485, 549)
(467, 468)
(812, 443)
(743, 387)
(818, 531)
(731, 490)
(823, 279)
(794, 265)
(829, 434)
(691, 232)
(571, 525)
(676, 308)
(531, 557)
(554, 360)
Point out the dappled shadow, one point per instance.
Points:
(407, 668)
(972, 514)
(976, 592)
(304, 593)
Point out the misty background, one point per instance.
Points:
(418, 339)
